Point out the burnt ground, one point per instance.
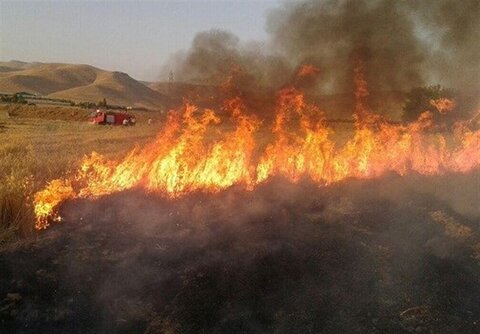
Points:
(392, 255)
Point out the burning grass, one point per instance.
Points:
(223, 223)
(35, 148)
(200, 150)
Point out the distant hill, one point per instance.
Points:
(17, 64)
(85, 83)
(118, 88)
(79, 83)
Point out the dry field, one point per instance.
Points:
(393, 254)
(41, 143)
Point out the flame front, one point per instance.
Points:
(204, 150)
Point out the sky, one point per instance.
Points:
(135, 37)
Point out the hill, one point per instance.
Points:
(118, 88)
(77, 82)
(85, 83)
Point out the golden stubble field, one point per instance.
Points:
(38, 144)
(42, 143)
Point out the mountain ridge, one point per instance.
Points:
(79, 83)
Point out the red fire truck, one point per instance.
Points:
(112, 118)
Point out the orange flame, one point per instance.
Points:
(307, 71)
(198, 150)
(47, 200)
(443, 105)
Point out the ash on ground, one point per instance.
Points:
(390, 255)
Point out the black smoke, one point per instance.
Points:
(410, 43)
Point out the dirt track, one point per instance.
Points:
(358, 257)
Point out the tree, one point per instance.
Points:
(102, 103)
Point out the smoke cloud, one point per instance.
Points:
(407, 43)
(214, 53)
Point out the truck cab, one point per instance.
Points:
(112, 118)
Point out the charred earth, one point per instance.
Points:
(396, 254)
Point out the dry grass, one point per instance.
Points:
(43, 143)
(39, 144)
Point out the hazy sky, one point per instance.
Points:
(134, 37)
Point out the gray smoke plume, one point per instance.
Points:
(409, 43)
(215, 53)
(451, 30)
(326, 34)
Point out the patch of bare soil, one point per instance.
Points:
(357, 257)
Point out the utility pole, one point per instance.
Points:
(170, 81)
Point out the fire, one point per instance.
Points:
(307, 71)
(205, 150)
(48, 199)
(443, 105)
